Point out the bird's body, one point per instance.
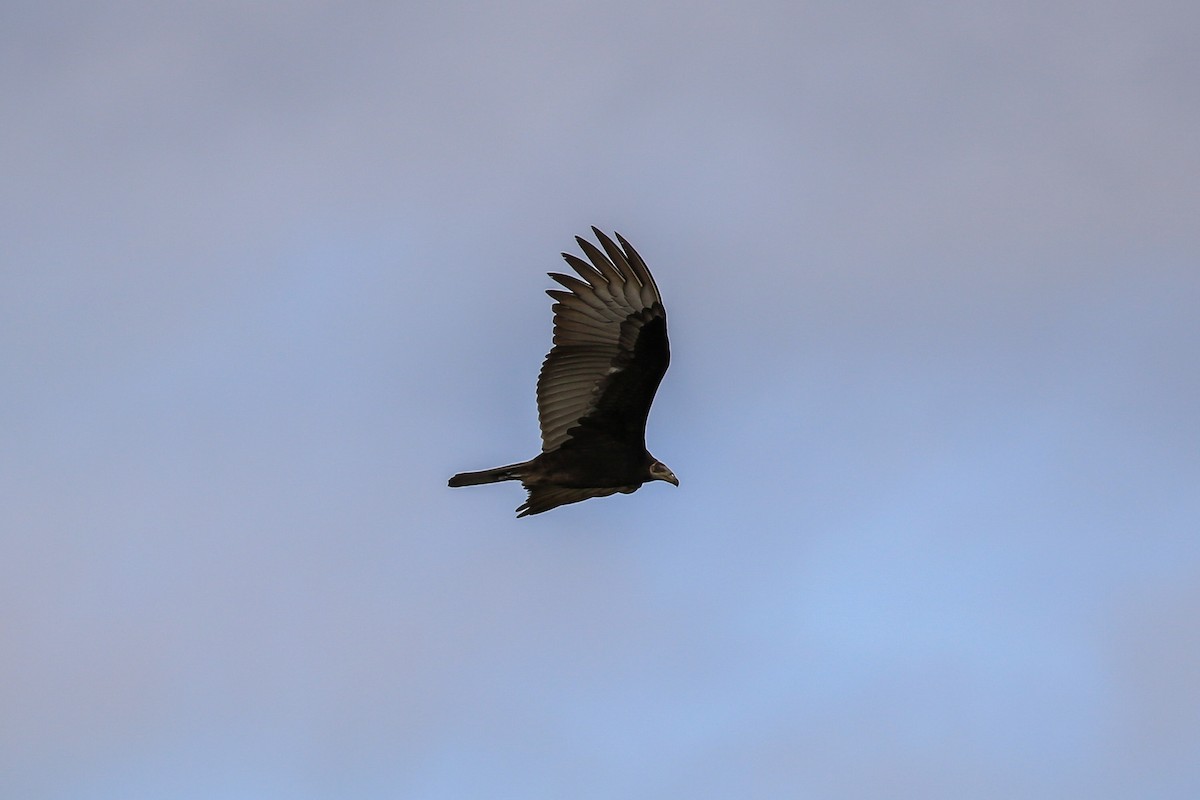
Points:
(596, 385)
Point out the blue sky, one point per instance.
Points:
(272, 273)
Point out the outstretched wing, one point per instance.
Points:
(544, 498)
(610, 348)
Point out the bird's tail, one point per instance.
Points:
(513, 472)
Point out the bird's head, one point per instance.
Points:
(660, 472)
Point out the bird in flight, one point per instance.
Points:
(596, 385)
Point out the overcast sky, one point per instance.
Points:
(271, 272)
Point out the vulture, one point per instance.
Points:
(596, 385)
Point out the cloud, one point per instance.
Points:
(273, 273)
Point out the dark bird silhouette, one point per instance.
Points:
(596, 385)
